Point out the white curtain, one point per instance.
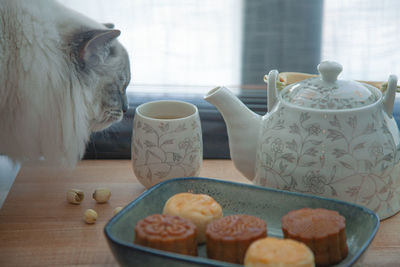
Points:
(175, 42)
(198, 43)
(364, 36)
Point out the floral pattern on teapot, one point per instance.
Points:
(351, 157)
(323, 96)
(322, 136)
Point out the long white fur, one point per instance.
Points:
(44, 110)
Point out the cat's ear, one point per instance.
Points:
(109, 25)
(95, 50)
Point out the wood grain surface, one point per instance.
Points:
(38, 227)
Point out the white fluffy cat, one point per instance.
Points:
(62, 76)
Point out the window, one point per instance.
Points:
(184, 43)
(207, 43)
(183, 48)
(364, 37)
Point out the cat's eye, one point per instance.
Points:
(113, 51)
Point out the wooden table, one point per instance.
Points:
(39, 227)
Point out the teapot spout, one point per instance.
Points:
(243, 129)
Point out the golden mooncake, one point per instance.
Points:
(201, 209)
(274, 252)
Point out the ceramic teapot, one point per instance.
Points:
(321, 136)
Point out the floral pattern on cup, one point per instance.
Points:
(351, 158)
(166, 149)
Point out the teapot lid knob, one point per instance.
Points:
(329, 70)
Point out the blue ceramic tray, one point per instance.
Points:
(267, 204)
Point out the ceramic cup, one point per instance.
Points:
(166, 141)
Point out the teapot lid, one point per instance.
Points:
(326, 92)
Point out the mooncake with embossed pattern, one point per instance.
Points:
(322, 230)
(168, 233)
(228, 238)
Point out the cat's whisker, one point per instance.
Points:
(112, 115)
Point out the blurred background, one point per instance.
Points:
(183, 48)
(235, 42)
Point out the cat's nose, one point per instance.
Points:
(125, 104)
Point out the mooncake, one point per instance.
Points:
(273, 252)
(168, 233)
(322, 230)
(228, 238)
(200, 209)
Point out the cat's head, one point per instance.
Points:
(102, 65)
